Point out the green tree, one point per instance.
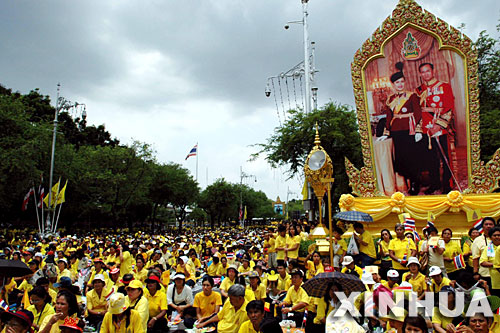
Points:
(290, 144)
(219, 200)
(488, 49)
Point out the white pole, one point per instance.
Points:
(197, 153)
(307, 68)
(52, 158)
(36, 209)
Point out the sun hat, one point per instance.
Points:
(297, 271)
(253, 274)
(434, 270)
(392, 274)
(413, 260)
(99, 277)
(118, 303)
(272, 276)
(232, 267)
(347, 261)
(72, 323)
(134, 284)
(114, 270)
(24, 315)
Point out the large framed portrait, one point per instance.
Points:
(416, 103)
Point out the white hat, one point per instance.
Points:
(179, 276)
(39, 254)
(413, 260)
(99, 277)
(392, 273)
(347, 261)
(184, 259)
(367, 278)
(434, 270)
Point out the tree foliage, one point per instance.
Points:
(290, 144)
(488, 49)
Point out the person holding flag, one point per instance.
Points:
(452, 249)
(400, 249)
(479, 244)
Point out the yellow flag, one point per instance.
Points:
(305, 192)
(245, 215)
(430, 217)
(61, 197)
(403, 217)
(55, 191)
(473, 215)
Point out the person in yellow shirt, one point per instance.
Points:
(292, 244)
(138, 302)
(367, 253)
(186, 269)
(158, 305)
(400, 249)
(315, 266)
(62, 265)
(392, 280)
(98, 269)
(451, 250)
(280, 244)
(233, 313)
(256, 286)
(245, 267)
(325, 305)
(120, 318)
(40, 305)
(96, 301)
(66, 306)
(296, 300)
(269, 248)
(350, 267)
(440, 322)
(207, 303)
(438, 281)
(467, 247)
(415, 278)
(229, 281)
(222, 269)
(208, 242)
(284, 279)
(140, 273)
(213, 269)
(255, 312)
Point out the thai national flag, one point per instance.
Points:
(409, 224)
(41, 195)
(459, 262)
(193, 151)
(4, 305)
(417, 236)
(478, 225)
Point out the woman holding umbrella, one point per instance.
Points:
(325, 305)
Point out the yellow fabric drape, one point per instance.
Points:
(419, 206)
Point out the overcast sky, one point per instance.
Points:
(176, 73)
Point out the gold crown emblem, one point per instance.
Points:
(411, 49)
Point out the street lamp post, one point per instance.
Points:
(243, 176)
(61, 104)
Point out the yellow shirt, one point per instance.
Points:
(269, 245)
(437, 287)
(103, 272)
(213, 269)
(494, 273)
(291, 242)
(323, 310)
(479, 244)
(157, 303)
(438, 318)
(207, 304)
(357, 269)
(55, 327)
(280, 242)
(126, 264)
(221, 270)
(165, 278)
(135, 324)
(313, 270)
(230, 319)
(247, 327)
(385, 249)
(368, 249)
(242, 269)
(297, 296)
(466, 249)
(284, 283)
(400, 248)
(259, 293)
(40, 316)
(226, 284)
(418, 284)
(94, 302)
(451, 250)
(141, 275)
(142, 307)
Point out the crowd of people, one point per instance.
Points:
(243, 280)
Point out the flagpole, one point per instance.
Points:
(41, 204)
(57, 219)
(36, 209)
(197, 154)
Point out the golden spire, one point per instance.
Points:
(317, 142)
